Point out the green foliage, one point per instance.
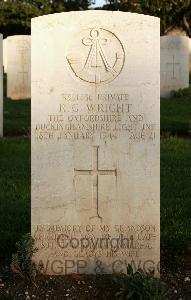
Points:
(15, 16)
(182, 93)
(140, 285)
(173, 13)
(22, 263)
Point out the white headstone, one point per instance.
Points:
(1, 85)
(5, 55)
(19, 67)
(174, 64)
(95, 141)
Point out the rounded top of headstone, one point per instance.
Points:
(174, 37)
(174, 41)
(110, 15)
(18, 36)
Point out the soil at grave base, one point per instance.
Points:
(176, 274)
(71, 287)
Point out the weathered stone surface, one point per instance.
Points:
(19, 67)
(5, 55)
(1, 85)
(174, 64)
(95, 141)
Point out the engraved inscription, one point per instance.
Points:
(100, 57)
(95, 172)
(84, 117)
(97, 240)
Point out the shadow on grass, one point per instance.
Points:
(176, 113)
(17, 115)
(176, 194)
(14, 192)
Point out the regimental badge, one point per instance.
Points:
(96, 56)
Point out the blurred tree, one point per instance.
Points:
(15, 15)
(173, 13)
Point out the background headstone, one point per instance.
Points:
(174, 64)
(19, 67)
(1, 85)
(95, 141)
(5, 55)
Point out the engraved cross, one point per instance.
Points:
(24, 76)
(95, 172)
(173, 64)
(24, 80)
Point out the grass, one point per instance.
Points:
(16, 117)
(15, 191)
(176, 113)
(176, 194)
(175, 173)
(14, 174)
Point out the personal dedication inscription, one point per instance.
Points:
(95, 142)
